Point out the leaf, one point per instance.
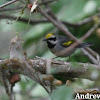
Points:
(36, 33)
(20, 26)
(75, 10)
(62, 93)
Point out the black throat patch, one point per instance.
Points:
(50, 45)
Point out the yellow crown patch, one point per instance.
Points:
(49, 35)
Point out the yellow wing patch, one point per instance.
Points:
(67, 43)
(49, 35)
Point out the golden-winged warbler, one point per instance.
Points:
(57, 43)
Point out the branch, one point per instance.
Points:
(32, 22)
(67, 69)
(8, 3)
(19, 63)
(64, 29)
(46, 2)
(10, 9)
(88, 49)
(89, 32)
(90, 53)
(61, 27)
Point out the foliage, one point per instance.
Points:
(71, 11)
(62, 93)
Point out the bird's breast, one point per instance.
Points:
(57, 50)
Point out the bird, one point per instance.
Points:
(57, 43)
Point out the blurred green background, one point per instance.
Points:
(66, 10)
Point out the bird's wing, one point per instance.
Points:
(65, 42)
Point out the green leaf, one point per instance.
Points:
(36, 33)
(75, 10)
(19, 26)
(62, 93)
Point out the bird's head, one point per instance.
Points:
(51, 40)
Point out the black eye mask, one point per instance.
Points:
(53, 38)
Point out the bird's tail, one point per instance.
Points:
(82, 45)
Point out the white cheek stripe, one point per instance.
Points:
(53, 42)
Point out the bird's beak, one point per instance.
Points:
(44, 39)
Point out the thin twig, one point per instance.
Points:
(46, 2)
(25, 20)
(10, 9)
(64, 29)
(84, 21)
(32, 22)
(89, 32)
(55, 23)
(85, 36)
(22, 1)
(8, 3)
(86, 52)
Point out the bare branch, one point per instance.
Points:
(32, 68)
(32, 22)
(47, 2)
(18, 63)
(8, 3)
(86, 53)
(10, 9)
(89, 32)
(73, 70)
(64, 29)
